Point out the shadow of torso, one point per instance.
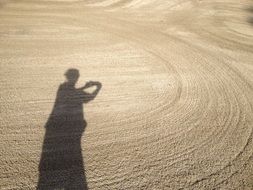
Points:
(61, 165)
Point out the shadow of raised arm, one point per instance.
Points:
(90, 96)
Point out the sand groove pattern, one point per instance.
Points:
(175, 108)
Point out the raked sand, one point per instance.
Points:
(175, 110)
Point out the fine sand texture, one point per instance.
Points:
(126, 94)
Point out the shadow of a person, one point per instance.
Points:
(61, 164)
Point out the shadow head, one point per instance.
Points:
(72, 75)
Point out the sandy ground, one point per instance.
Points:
(175, 110)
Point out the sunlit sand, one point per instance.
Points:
(126, 94)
